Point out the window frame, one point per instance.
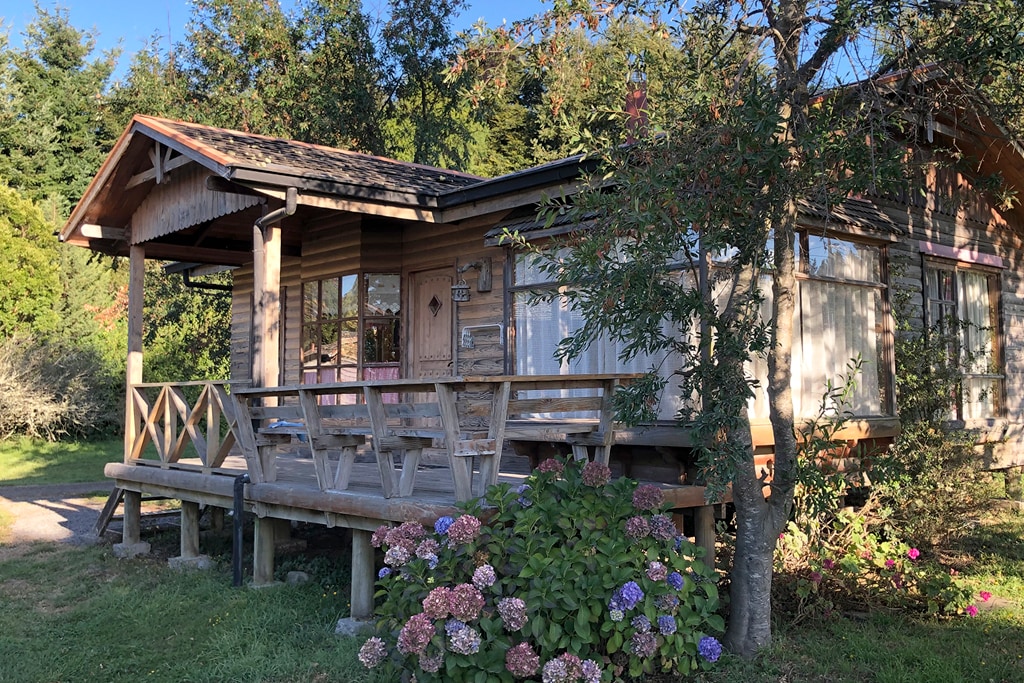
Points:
(361, 322)
(993, 275)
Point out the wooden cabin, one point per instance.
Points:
(377, 319)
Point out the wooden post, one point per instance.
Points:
(263, 552)
(133, 374)
(189, 529)
(363, 575)
(704, 532)
(1014, 477)
(131, 533)
(267, 299)
(217, 519)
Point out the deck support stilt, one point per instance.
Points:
(1015, 485)
(704, 532)
(131, 543)
(190, 557)
(266, 534)
(217, 519)
(363, 575)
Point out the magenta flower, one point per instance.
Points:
(913, 553)
(972, 611)
(828, 564)
(815, 577)
(985, 596)
(889, 564)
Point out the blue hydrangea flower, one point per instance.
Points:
(667, 624)
(709, 648)
(442, 524)
(452, 626)
(523, 500)
(431, 561)
(679, 543)
(675, 579)
(630, 594)
(386, 571)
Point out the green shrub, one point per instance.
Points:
(569, 575)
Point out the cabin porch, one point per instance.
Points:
(362, 454)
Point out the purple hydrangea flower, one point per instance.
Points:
(385, 571)
(675, 579)
(656, 571)
(555, 671)
(709, 648)
(591, 671)
(637, 528)
(414, 636)
(453, 625)
(524, 500)
(644, 645)
(663, 528)
(465, 641)
(666, 624)
(372, 652)
(442, 524)
(484, 576)
(432, 664)
(463, 530)
(667, 602)
(513, 613)
(641, 623)
(466, 602)
(595, 474)
(648, 497)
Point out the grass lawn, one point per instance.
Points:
(30, 461)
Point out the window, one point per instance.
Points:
(840, 315)
(966, 297)
(350, 328)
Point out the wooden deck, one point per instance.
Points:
(357, 454)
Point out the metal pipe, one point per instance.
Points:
(239, 514)
(291, 200)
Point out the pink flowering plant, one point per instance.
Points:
(570, 576)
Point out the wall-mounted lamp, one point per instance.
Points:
(467, 334)
(483, 283)
(460, 291)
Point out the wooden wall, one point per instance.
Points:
(953, 215)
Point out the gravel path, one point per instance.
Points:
(62, 512)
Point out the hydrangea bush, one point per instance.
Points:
(568, 577)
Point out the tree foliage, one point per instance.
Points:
(690, 245)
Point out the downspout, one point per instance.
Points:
(239, 513)
(291, 201)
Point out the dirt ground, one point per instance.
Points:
(63, 513)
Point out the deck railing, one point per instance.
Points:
(468, 417)
(180, 419)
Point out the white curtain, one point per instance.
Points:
(977, 342)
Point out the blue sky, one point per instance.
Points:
(133, 21)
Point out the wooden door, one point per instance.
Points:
(432, 319)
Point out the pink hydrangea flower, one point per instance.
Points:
(595, 474)
(437, 604)
(637, 528)
(985, 596)
(372, 652)
(463, 530)
(913, 553)
(513, 614)
(466, 602)
(889, 564)
(972, 611)
(551, 465)
(522, 661)
(656, 571)
(484, 576)
(415, 635)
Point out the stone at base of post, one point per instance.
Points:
(350, 627)
(201, 562)
(129, 550)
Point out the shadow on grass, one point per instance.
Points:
(25, 462)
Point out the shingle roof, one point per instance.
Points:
(288, 157)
